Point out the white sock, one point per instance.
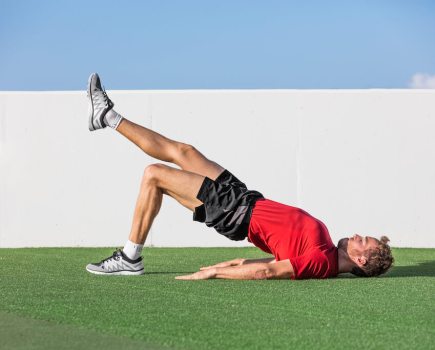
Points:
(132, 250)
(113, 118)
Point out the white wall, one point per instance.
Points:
(363, 161)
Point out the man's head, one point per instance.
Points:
(371, 256)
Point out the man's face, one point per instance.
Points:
(356, 245)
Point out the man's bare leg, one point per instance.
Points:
(159, 179)
(167, 150)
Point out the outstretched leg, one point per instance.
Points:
(101, 115)
(160, 147)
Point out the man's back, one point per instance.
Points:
(290, 233)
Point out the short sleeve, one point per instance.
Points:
(313, 264)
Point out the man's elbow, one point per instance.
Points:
(277, 274)
(265, 274)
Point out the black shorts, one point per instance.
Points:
(227, 205)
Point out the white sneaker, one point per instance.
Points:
(117, 264)
(99, 103)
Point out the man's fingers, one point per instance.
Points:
(213, 266)
(200, 275)
(185, 277)
(209, 267)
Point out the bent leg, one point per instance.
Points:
(167, 150)
(159, 179)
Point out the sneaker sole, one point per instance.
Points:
(118, 273)
(91, 123)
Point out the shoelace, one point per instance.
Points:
(106, 99)
(101, 97)
(116, 255)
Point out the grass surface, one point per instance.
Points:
(48, 300)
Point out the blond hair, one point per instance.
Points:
(379, 260)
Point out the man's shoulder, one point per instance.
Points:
(328, 252)
(317, 263)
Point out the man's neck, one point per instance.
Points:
(345, 264)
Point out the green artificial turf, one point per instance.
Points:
(48, 300)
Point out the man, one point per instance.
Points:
(300, 243)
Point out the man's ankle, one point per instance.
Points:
(132, 250)
(113, 119)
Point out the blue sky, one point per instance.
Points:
(246, 44)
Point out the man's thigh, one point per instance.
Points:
(181, 185)
(192, 160)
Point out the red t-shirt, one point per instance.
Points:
(291, 233)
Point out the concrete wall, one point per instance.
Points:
(363, 161)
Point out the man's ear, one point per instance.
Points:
(361, 261)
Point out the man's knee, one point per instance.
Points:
(184, 150)
(152, 174)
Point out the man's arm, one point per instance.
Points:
(254, 261)
(237, 262)
(278, 270)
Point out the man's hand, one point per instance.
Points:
(235, 262)
(200, 275)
